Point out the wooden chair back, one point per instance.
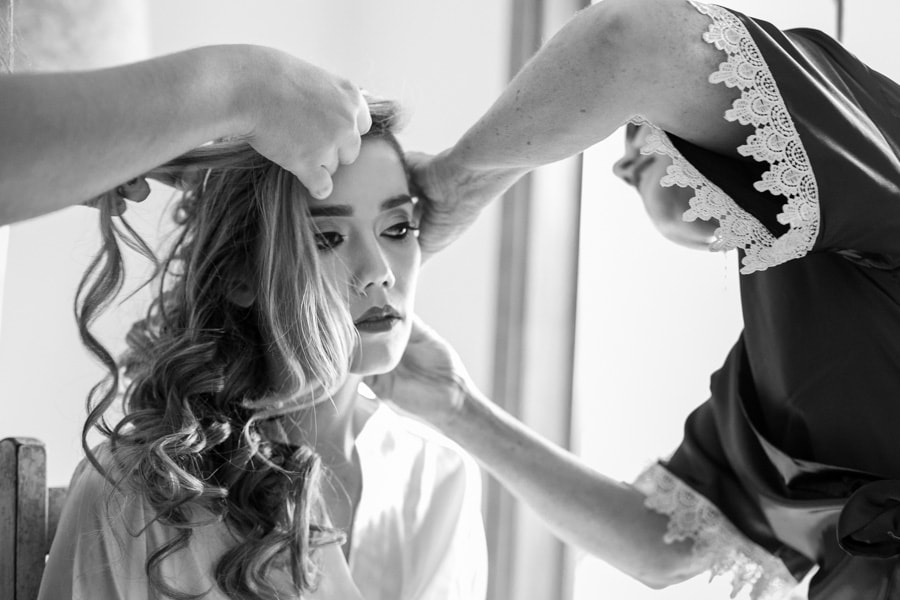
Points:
(29, 513)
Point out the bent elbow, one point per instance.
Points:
(636, 24)
(670, 566)
(659, 581)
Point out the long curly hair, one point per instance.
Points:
(194, 382)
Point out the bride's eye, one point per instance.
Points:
(328, 240)
(400, 231)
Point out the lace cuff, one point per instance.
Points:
(774, 141)
(728, 551)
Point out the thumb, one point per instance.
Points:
(420, 331)
(417, 163)
(417, 159)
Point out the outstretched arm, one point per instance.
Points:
(580, 505)
(614, 60)
(67, 137)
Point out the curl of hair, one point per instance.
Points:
(191, 440)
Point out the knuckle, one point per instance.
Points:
(346, 85)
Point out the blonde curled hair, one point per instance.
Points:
(195, 380)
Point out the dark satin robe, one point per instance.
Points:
(799, 443)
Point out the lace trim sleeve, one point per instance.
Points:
(774, 141)
(716, 540)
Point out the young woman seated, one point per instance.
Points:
(248, 464)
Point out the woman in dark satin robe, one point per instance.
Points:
(783, 146)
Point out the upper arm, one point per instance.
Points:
(808, 157)
(664, 65)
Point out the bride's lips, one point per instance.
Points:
(377, 319)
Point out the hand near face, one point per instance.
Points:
(303, 117)
(452, 195)
(430, 381)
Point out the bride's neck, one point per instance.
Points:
(331, 426)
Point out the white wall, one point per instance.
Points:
(445, 61)
(44, 374)
(654, 322)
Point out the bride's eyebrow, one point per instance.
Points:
(346, 210)
(331, 210)
(395, 201)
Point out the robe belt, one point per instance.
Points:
(865, 507)
(869, 524)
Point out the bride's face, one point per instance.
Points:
(664, 205)
(367, 238)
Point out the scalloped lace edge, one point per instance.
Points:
(774, 141)
(716, 540)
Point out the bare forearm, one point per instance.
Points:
(580, 505)
(552, 109)
(612, 61)
(67, 137)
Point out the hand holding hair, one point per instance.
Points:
(430, 381)
(90, 132)
(453, 194)
(303, 118)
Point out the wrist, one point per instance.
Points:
(469, 403)
(236, 73)
(473, 174)
(211, 82)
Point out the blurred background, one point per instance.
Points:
(562, 300)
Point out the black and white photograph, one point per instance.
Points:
(474, 300)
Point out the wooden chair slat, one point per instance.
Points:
(8, 498)
(31, 520)
(29, 514)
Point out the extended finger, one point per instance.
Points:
(330, 161)
(363, 116)
(418, 163)
(417, 160)
(420, 329)
(349, 150)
